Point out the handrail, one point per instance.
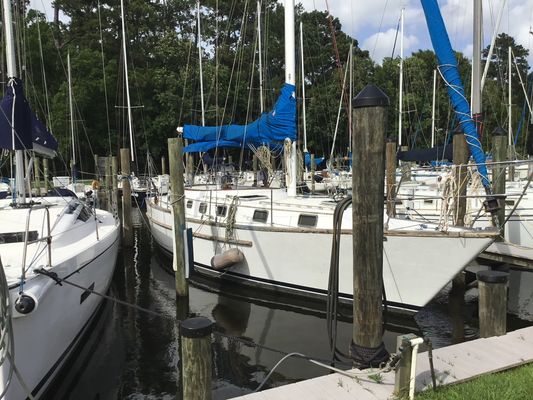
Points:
(47, 238)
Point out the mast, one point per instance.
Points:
(509, 103)
(199, 38)
(290, 78)
(350, 94)
(12, 73)
(71, 108)
(476, 61)
(130, 119)
(400, 99)
(303, 86)
(433, 109)
(261, 99)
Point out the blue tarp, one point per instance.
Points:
(318, 160)
(28, 129)
(448, 68)
(271, 128)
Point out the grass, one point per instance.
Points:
(514, 384)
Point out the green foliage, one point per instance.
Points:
(164, 74)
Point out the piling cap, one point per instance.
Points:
(371, 96)
(458, 130)
(196, 327)
(493, 276)
(498, 131)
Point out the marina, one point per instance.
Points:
(305, 240)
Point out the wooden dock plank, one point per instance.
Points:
(453, 364)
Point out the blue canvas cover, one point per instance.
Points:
(271, 128)
(318, 160)
(15, 111)
(448, 68)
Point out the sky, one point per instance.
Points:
(373, 23)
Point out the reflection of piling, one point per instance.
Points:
(196, 358)
(460, 159)
(368, 144)
(492, 303)
(390, 159)
(499, 154)
(127, 224)
(46, 174)
(177, 201)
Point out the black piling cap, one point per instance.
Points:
(392, 139)
(197, 327)
(458, 130)
(371, 96)
(498, 131)
(493, 276)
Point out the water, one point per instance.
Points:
(131, 354)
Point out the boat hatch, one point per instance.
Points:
(17, 237)
(307, 220)
(250, 197)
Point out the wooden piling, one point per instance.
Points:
(254, 169)
(189, 159)
(114, 182)
(499, 154)
(127, 223)
(107, 185)
(368, 144)
(402, 378)
(492, 303)
(96, 168)
(163, 166)
(196, 357)
(390, 159)
(37, 174)
(313, 168)
(46, 174)
(177, 200)
(460, 160)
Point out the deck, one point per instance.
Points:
(453, 364)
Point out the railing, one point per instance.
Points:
(47, 238)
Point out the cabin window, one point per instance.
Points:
(203, 208)
(189, 203)
(260, 216)
(307, 220)
(221, 211)
(428, 201)
(84, 214)
(17, 237)
(509, 202)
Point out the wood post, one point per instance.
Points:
(177, 200)
(114, 181)
(189, 159)
(402, 377)
(127, 223)
(37, 174)
(96, 168)
(492, 303)
(368, 144)
(460, 160)
(390, 159)
(163, 165)
(196, 357)
(254, 169)
(511, 157)
(313, 168)
(499, 154)
(46, 174)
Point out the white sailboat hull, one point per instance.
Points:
(415, 267)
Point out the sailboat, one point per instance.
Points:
(276, 240)
(47, 245)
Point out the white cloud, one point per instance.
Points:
(381, 44)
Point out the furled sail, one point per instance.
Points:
(29, 132)
(450, 73)
(271, 128)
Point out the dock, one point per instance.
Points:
(452, 364)
(520, 257)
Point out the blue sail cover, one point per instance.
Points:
(448, 68)
(271, 128)
(318, 160)
(15, 111)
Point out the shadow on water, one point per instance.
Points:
(131, 354)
